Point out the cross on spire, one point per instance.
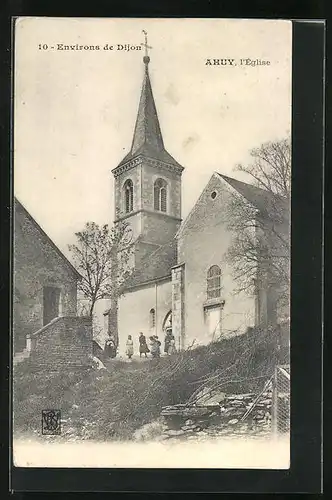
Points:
(146, 58)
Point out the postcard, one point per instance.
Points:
(151, 212)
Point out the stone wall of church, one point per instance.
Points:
(202, 243)
(158, 228)
(150, 225)
(37, 265)
(135, 176)
(149, 175)
(178, 305)
(134, 312)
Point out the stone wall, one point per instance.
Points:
(178, 326)
(135, 176)
(158, 227)
(220, 417)
(37, 264)
(203, 241)
(149, 175)
(64, 343)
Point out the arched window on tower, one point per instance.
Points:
(213, 282)
(152, 318)
(160, 195)
(128, 191)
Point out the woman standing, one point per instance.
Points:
(143, 347)
(129, 347)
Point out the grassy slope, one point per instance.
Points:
(103, 404)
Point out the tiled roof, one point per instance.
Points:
(155, 266)
(263, 200)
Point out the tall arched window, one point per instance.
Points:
(160, 195)
(213, 282)
(128, 192)
(152, 318)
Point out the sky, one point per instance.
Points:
(75, 110)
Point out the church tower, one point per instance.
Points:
(147, 182)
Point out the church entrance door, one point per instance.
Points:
(167, 327)
(51, 303)
(213, 322)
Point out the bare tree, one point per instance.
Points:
(101, 255)
(270, 168)
(260, 249)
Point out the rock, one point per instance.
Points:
(187, 428)
(189, 422)
(233, 421)
(173, 433)
(235, 414)
(198, 428)
(189, 412)
(236, 402)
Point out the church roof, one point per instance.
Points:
(155, 266)
(265, 201)
(20, 209)
(268, 204)
(147, 139)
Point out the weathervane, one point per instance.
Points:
(146, 58)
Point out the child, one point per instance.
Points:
(171, 347)
(129, 347)
(158, 345)
(154, 347)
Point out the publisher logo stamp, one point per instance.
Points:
(51, 422)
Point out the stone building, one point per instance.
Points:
(45, 282)
(180, 278)
(147, 195)
(206, 301)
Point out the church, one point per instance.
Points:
(180, 279)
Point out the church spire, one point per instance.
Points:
(147, 131)
(147, 138)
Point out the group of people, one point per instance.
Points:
(154, 345)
